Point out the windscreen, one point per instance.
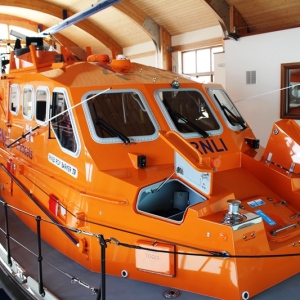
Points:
(189, 111)
(119, 116)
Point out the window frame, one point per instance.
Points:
(288, 110)
(197, 74)
(71, 116)
(46, 89)
(116, 140)
(170, 121)
(237, 127)
(32, 96)
(17, 101)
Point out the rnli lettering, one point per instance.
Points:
(23, 149)
(210, 146)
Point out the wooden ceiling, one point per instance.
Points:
(261, 16)
(123, 25)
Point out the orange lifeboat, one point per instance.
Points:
(102, 59)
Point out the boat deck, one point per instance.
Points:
(57, 269)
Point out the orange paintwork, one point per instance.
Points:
(121, 190)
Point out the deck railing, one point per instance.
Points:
(44, 293)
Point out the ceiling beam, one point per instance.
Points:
(140, 18)
(166, 49)
(237, 22)
(221, 7)
(56, 11)
(132, 11)
(231, 17)
(159, 35)
(16, 21)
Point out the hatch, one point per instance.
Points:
(167, 199)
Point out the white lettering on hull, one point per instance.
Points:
(71, 170)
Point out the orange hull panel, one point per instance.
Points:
(159, 193)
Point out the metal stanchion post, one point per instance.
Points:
(102, 289)
(7, 235)
(40, 258)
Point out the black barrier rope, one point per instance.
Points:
(207, 253)
(40, 258)
(222, 254)
(101, 292)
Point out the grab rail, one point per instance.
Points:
(274, 232)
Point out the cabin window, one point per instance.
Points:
(226, 107)
(63, 124)
(14, 99)
(42, 105)
(121, 116)
(188, 112)
(27, 101)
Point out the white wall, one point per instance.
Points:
(197, 35)
(140, 52)
(190, 38)
(259, 103)
(219, 68)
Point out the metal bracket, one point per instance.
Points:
(153, 29)
(19, 272)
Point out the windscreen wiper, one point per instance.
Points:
(226, 109)
(228, 112)
(110, 129)
(174, 114)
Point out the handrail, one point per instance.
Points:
(101, 292)
(103, 243)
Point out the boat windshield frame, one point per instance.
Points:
(117, 134)
(227, 110)
(208, 131)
